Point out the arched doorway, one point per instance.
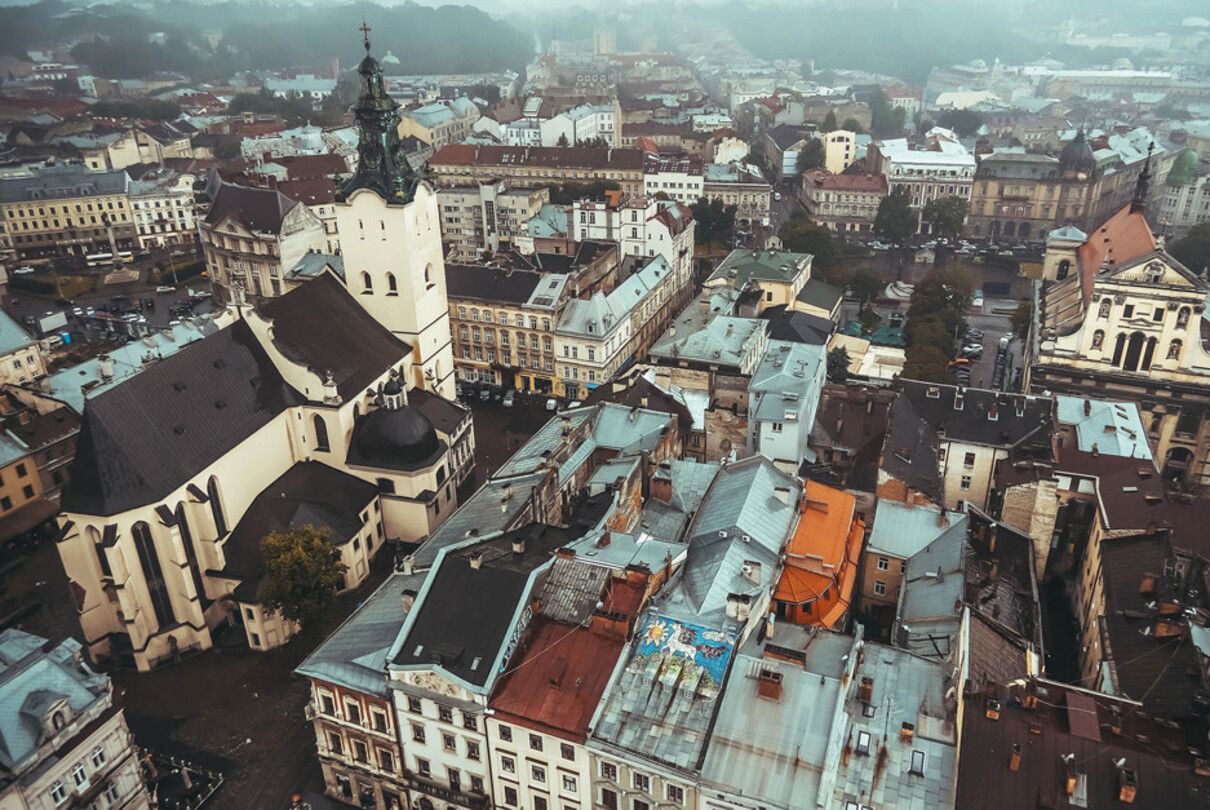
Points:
(1134, 352)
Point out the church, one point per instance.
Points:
(1118, 316)
(329, 405)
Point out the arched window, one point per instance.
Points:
(1174, 350)
(216, 507)
(1119, 347)
(58, 720)
(153, 574)
(428, 274)
(367, 283)
(1064, 269)
(182, 525)
(392, 284)
(1098, 338)
(1182, 316)
(1104, 310)
(321, 434)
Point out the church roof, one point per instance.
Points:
(1124, 236)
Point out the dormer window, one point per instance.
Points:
(58, 720)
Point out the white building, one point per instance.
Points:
(783, 397)
(64, 739)
(307, 85)
(163, 210)
(943, 169)
(485, 216)
(679, 179)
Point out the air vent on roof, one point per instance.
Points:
(220, 362)
(179, 386)
(178, 429)
(933, 392)
(219, 404)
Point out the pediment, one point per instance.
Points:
(1156, 268)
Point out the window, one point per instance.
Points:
(321, 434)
(469, 721)
(449, 743)
(537, 773)
(883, 563)
(969, 460)
(880, 587)
(27, 491)
(367, 283)
(510, 796)
(417, 733)
(535, 742)
(392, 285)
(609, 799)
(58, 793)
(966, 483)
(379, 720)
(917, 768)
(1128, 311)
(676, 794)
(414, 705)
(455, 779)
(863, 743)
(386, 760)
(446, 714)
(352, 712)
(326, 705)
(21, 471)
(776, 427)
(639, 804)
(540, 803)
(359, 752)
(334, 743)
(1158, 315)
(569, 783)
(6, 503)
(255, 640)
(567, 751)
(476, 784)
(506, 733)
(642, 782)
(609, 771)
(472, 750)
(508, 764)
(422, 767)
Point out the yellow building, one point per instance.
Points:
(67, 210)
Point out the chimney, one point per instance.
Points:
(1128, 785)
(1014, 759)
(106, 365)
(769, 625)
(409, 565)
(604, 540)
(476, 561)
(751, 571)
(408, 598)
(331, 396)
(943, 518)
(865, 691)
(519, 545)
(768, 684)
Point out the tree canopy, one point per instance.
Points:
(895, 218)
(965, 123)
(829, 122)
(811, 156)
(715, 221)
(1193, 250)
(947, 215)
(146, 108)
(838, 365)
(302, 573)
(936, 314)
(801, 235)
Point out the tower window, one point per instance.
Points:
(367, 283)
(392, 285)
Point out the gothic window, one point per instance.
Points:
(1174, 350)
(216, 507)
(321, 434)
(1182, 316)
(367, 283)
(153, 574)
(392, 285)
(1104, 310)
(1098, 337)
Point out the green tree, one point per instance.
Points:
(715, 221)
(829, 122)
(302, 573)
(838, 365)
(965, 123)
(810, 156)
(1193, 250)
(1020, 319)
(946, 215)
(801, 235)
(853, 125)
(927, 363)
(895, 219)
(943, 296)
(331, 111)
(865, 285)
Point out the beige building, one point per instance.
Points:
(66, 210)
(1117, 312)
(66, 742)
(149, 144)
(839, 150)
(261, 425)
(742, 185)
(846, 203)
(487, 216)
(163, 210)
(440, 123)
(459, 164)
(251, 238)
(21, 360)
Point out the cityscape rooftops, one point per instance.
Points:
(1112, 428)
(900, 530)
(62, 181)
(742, 267)
(572, 157)
(13, 337)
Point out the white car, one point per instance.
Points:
(164, 289)
(24, 271)
(552, 404)
(978, 299)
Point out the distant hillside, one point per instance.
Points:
(449, 39)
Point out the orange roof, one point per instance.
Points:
(823, 529)
(823, 552)
(1124, 236)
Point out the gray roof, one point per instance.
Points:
(625, 550)
(688, 480)
(743, 266)
(614, 427)
(572, 590)
(312, 264)
(900, 530)
(741, 519)
(63, 181)
(13, 337)
(11, 449)
(821, 294)
(931, 595)
(724, 340)
(355, 655)
(1111, 428)
(34, 677)
(790, 376)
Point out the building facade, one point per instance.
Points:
(846, 203)
(164, 212)
(486, 216)
(67, 211)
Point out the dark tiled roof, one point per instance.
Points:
(321, 325)
(312, 167)
(854, 419)
(579, 157)
(798, 327)
(910, 453)
(312, 191)
(467, 614)
(639, 392)
(258, 209)
(821, 294)
(445, 415)
(1161, 673)
(785, 136)
(144, 438)
(973, 422)
(489, 283)
(309, 493)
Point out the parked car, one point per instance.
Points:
(975, 334)
(164, 289)
(552, 404)
(485, 394)
(972, 352)
(24, 271)
(78, 312)
(978, 299)
(509, 398)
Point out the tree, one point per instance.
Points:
(562, 140)
(302, 573)
(488, 92)
(1193, 250)
(1020, 319)
(947, 215)
(810, 156)
(801, 235)
(926, 363)
(965, 123)
(829, 122)
(715, 221)
(838, 365)
(895, 218)
(853, 125)
(943, 296)
(865, 285)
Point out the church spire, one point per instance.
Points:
(1139, 204)
(382, 166)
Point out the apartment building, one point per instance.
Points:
(940, 167)
(67, 210)
(846, 203)
(486, 216)
(679, 179)
(459, 164)
(164, 211)
(440, 123)
(742, 185)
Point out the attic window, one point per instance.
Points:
(863, 743)
(58, 721)
(933, 392)
(917, 768)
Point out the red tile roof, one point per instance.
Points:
(1124, 236)
(821, 178)
(579, 157)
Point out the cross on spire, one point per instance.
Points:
(365, 33)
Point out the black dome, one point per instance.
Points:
(394, 439)
(1077, 156)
